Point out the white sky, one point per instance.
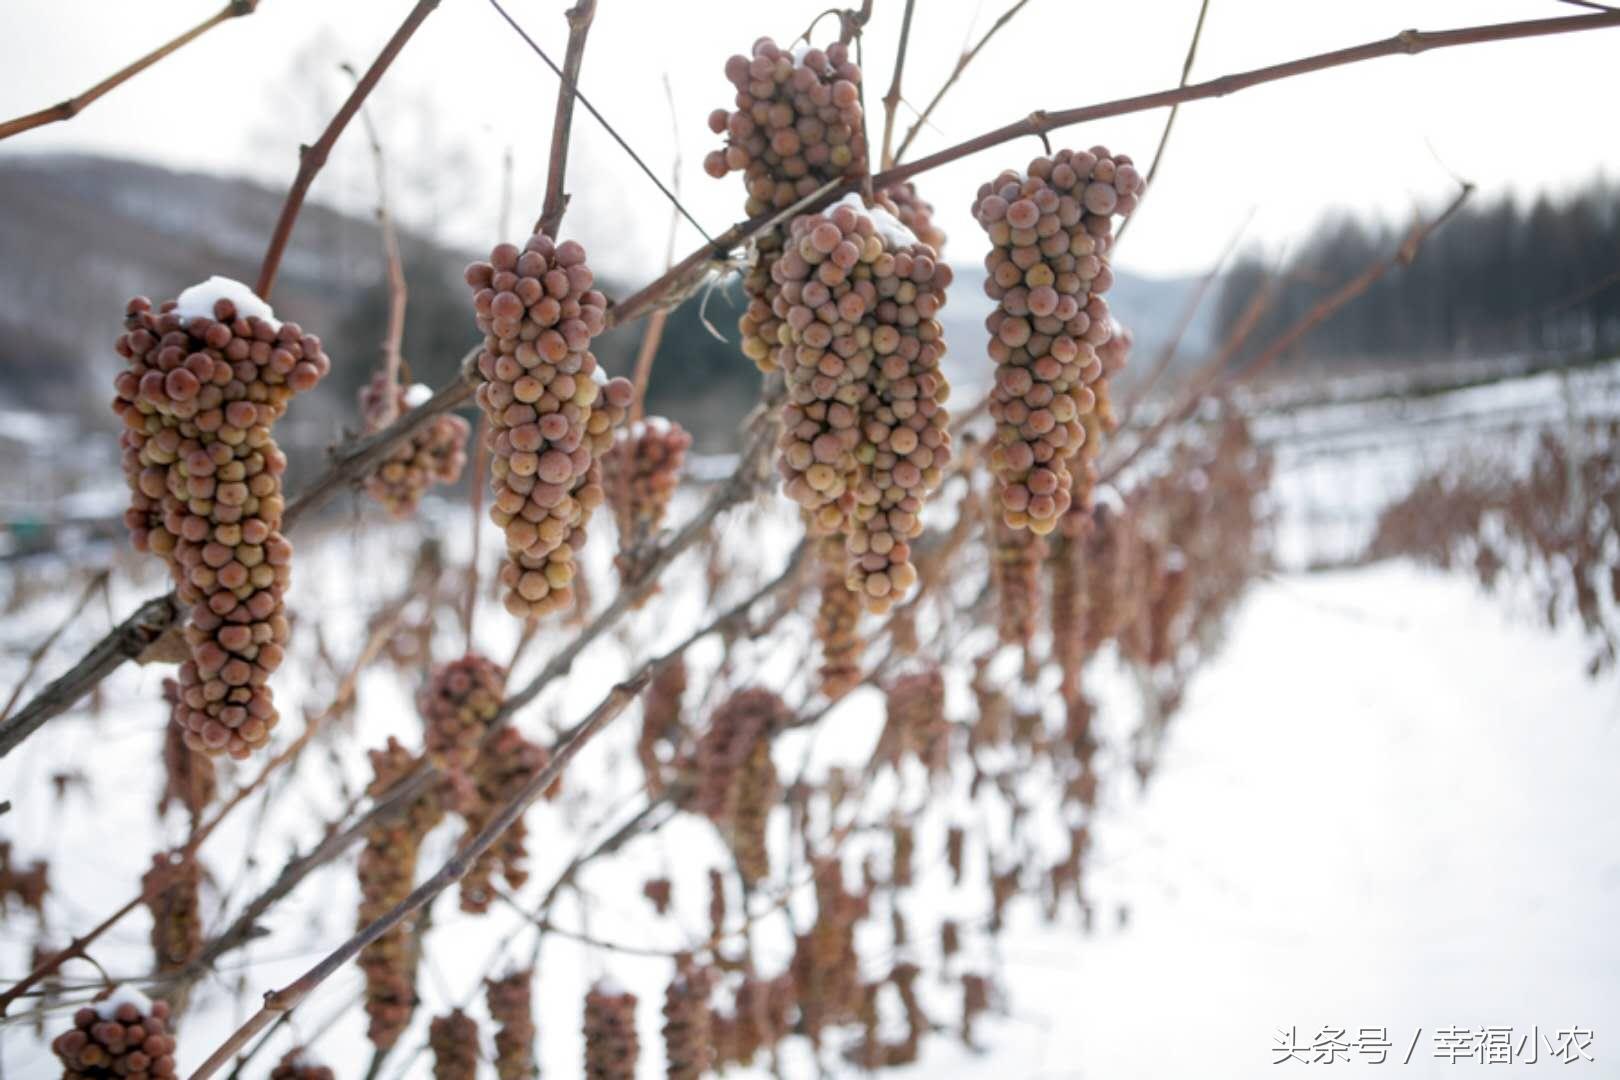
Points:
(1527, 116)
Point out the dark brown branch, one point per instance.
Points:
(579, 25)
(277, 1002)
(891, 100)
(312, 158)
(70, 108)
(956, 73)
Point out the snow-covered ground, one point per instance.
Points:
(1388, 802)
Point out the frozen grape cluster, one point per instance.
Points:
(207, 376)
(864, 429)
(611, 1044)
(640, 475)
(550, 408)
(1051, 232)
(123, 1035)
(458, 704)
(797, 124)
(434, 454)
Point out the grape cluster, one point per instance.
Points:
(511, 1006)
(387, 871)
(510, 762)
(736, 780)
(864, 431)
(198, 399)
(688, 1051)
(551, 411)
(826, 965)
(169, 890)
(453, 1038)
(797, 125)
(611, 1045)
(838, 616)
(28, 887)
(294, 1065)
(1051, 231)
(125, 1035)
(660, 720)
(1015, 568)
(640, 475)
(458, 704)
(188, 775)
(434, 454)
(915, 723)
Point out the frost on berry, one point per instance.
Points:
(434, 454)
(640, 475)
(387, 871)
(512, 1009)
(198, 397)
(122, 1034)
(611, 1044)
(551, 411)
(737, 783)
(453, 1038)
(1051, 232)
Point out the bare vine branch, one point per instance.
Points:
(891, 100)
(956, 73)
(312, 158)
(579, 25)
(73, 106)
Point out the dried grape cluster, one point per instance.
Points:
(511, 1006)
(387, 873)
(550, 418)
(611, 1045)
(188, 775)
(1051, 231)
(169, 890)
(458, 704)
(838, 617)
(509, 763)
(660, 720)
(798, 123)
(864, 430)
(640, 475)
(434, 454)
(453, 1038)
(736, 780)
(200, 394)
(688, 1051)
(915, 723)
(125, 1035)
(295, 1065)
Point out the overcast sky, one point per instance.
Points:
(1376, 138)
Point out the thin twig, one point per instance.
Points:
(97, 581)
(1175, 110)
(579, 25)
(891, 100)
(70, 108)
(312, 158)
(394, 334)
(583, 100)
(956, 73)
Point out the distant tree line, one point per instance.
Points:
(1501, 277)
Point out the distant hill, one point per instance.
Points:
(82, 234)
